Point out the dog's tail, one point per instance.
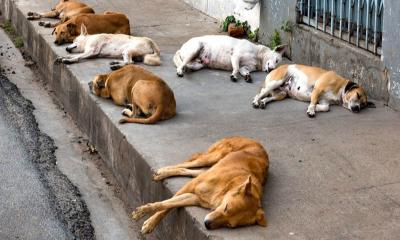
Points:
(150, 120)
(177, 59)
(154, 58)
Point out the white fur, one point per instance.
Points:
(227, 53)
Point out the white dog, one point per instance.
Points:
(227, 53)
(113, 46)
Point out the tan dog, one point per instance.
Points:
(148, 96)
(232, 187)
(306, 83)
(64, 10)
(109, 22)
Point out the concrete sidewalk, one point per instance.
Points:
(333, 177)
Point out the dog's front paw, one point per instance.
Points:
(127, 112)
(179, 73)
(58, 60)
(255, 104)
(141, 211)
(262, 105)
(149, 225)
(41, 23)
(311, 112)
(67, 61)
(248, 78)
(233, 78)
(30, 13)
(115, 67)
(30, 18)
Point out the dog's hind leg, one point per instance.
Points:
(189, 56)
(244, 71)
(265, 91)
(194, 65)
(35, 16)
(169, 172)
(276, 96)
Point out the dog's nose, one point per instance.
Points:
(68, 49)
(269, 69)
(355, 109)
(90, 85)
(207, 223)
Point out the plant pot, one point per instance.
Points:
(236, 31)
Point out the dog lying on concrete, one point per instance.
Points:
(306, 83)
(147, 97)
(64, 10)
(227, 53)
(109, 22)
(232, 187)
(112, 46)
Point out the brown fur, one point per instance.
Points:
(232, 187)
(64, 10)
(108, 22)
(147, 94)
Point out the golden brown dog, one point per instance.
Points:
(232, 187)
(316, 85)
(64, 10)
(148, 96)
(109, 22)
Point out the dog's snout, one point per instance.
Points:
(355, 109)
(68, 49)
(90, 85)
(207, 223)
(269, 69)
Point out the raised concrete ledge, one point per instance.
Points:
(335, 175)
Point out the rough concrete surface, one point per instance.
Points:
(86, 170)
(333, 177)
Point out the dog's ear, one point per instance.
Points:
(83, 30)
(280, 48)
(54, 29)
(371, 105)
(247, 186)
(71, 28)
(350, 85)
(260, 218)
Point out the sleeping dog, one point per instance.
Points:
(64, 10)
(113, 46)
(147, 97)
(109, 22)
(227, 53)
(232, 187)
(306, 83)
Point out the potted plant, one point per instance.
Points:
(238, 29)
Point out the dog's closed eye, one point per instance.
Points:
(226, 208)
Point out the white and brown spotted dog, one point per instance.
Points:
(227, 53)
(311, 84)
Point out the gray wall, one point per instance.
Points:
(308, 46)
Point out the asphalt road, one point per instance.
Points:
(37, 200)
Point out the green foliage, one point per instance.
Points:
(8, 28)
(287, 26)
(253, 36)
(19, 42)
(275, 39)
(228, 20)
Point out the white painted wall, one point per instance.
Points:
(219, 9)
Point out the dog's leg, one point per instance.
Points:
(180, 200)
(314, 100)
(200, 160)
(235, 60)
(127, 56)
(244, 71)
(194, 65)
(265, 91)
(276, 96)
(187, 59)
(35, 16)
(87, 54)
(322, 106)
(152, 222)
(169, 172)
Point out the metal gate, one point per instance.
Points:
(358, 22)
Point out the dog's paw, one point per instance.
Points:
(126, 112)
(255, 104)
(141, 211)
(311, 112)
(148, 226)
(115, 67)
(30, 13)
(58, 60)
(248, 78)
(41, 23)
(157, 176)
(67, 61)
(233, 78)
(262, 105)
(30, 18)
(123, 120)
(114, 62)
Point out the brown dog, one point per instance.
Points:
(232, 187)
(64, 10)
(148, 96)
(109, 22)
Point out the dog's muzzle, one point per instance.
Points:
(355, 109)
(207, 224)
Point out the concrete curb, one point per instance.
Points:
(128, 166)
